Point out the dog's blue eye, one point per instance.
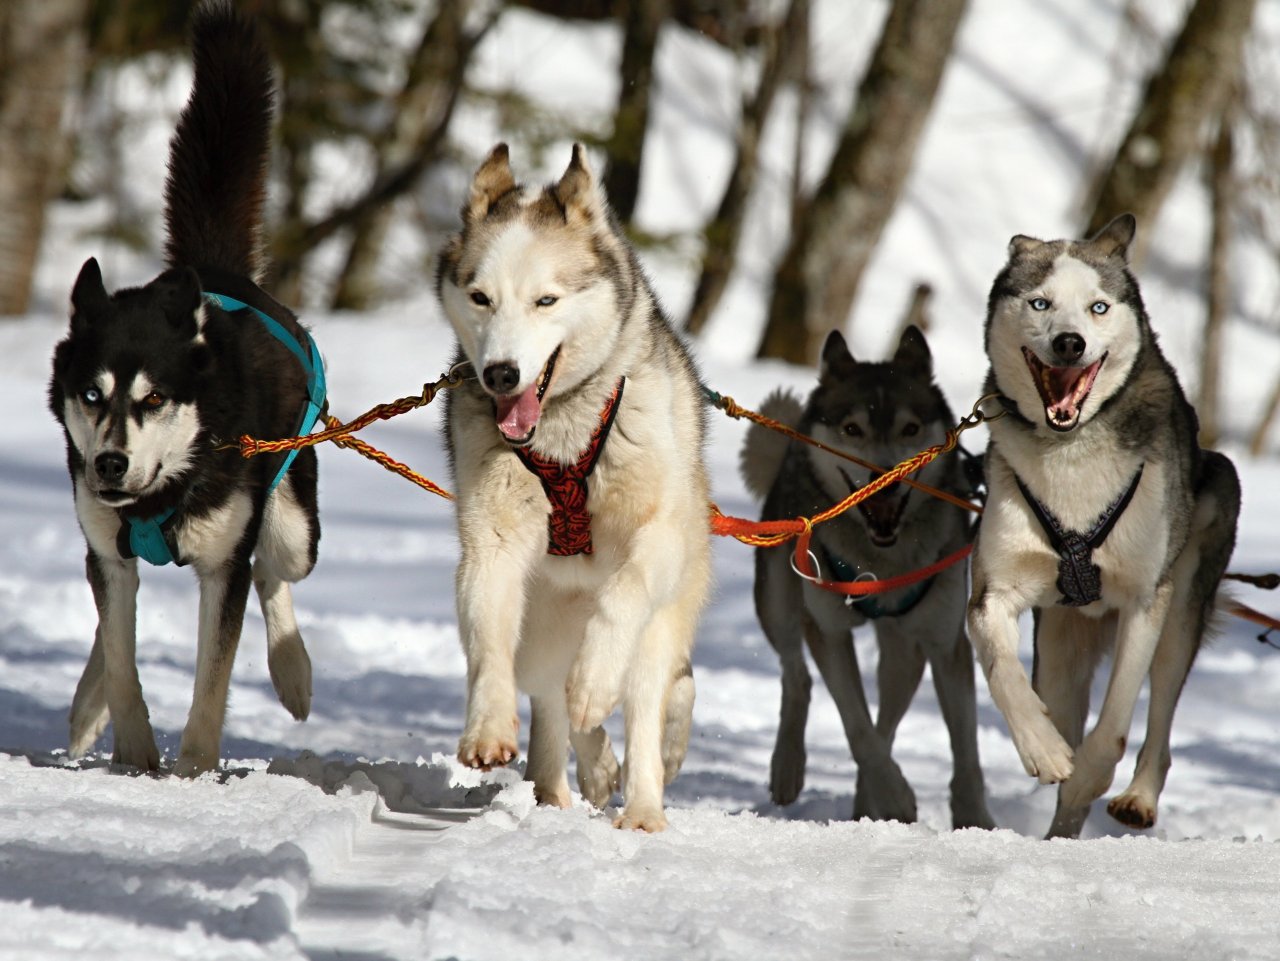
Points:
(546, 301)
(479, 299)
(1039, 303)
(1100, 307)
(91, 396)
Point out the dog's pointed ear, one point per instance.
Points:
(1020, 244)
(835, 354)
(913, 353)
(492, 180)
(89, 297)
(1114, 239)
(577, 191)
(181, 298)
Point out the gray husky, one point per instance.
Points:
(583, 501)
(883, 413)
(1105, 517)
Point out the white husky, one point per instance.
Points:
(582, 493)
(1104, 516)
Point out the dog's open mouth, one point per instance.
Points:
(116, 498)
(1063, 390)
(517, 414)
(882, 511)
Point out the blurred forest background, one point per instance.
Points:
(381, 81)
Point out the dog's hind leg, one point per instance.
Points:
(778, 600)
(953, 682)
(223, 592)
(598, 772)
(1067, 649)
(893, 799)
(1196, 575)
(286, 552)
(898, 674)
(1138, 630)
(676, 723)
(89, 714)
(115, 592)
(549, 749)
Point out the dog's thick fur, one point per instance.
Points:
(147, 385)
(1090, 400)
(551, 308)
(882, 413)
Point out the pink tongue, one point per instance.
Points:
(1062, 386)
(518, 415)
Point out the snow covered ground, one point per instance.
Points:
(355, 835)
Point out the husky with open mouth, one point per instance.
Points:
(152, 386)
(583, 501)
(1104, 517)
(882, 413)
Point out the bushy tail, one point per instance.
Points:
(218, 157)
(763, 450)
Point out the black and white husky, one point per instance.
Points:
(1104, 516)
(154, 384)
(883, 413)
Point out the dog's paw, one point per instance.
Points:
(489, 745)
(883, 794)
(647, 819)
(134, 746)
(556, 797)
(192, 764)
(290, 669)
(85, 731)
(786, 776)
(588, 699)
(1045, 755)
(599, 778)
(1133, 810)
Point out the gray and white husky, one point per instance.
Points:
(149, 385)
(882, 413)
(1104, 516)
(583, 509)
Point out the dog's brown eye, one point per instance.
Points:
(853, 430)
(910, 430)
(153, 401)
(479, 299)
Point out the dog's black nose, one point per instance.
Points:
(111, 467)
(1068, 347)
(501, 378)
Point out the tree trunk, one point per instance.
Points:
(641, 21)
(41, 52)
(1222, 188)
(424, 108)
(817, 279)
(1190, 87)
(725, 229)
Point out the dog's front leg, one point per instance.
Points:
(1095, 763)
(993, 628)
(224, 590)
(115, 593)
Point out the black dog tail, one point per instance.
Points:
(218, 157)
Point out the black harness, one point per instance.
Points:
(1079, 579)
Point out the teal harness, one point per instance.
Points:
(152, 538)
(870, 606)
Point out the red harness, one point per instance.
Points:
(569, 526)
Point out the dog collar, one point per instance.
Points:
(1079, 579)
(569, 526)
(869, 606)
(153, 538)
